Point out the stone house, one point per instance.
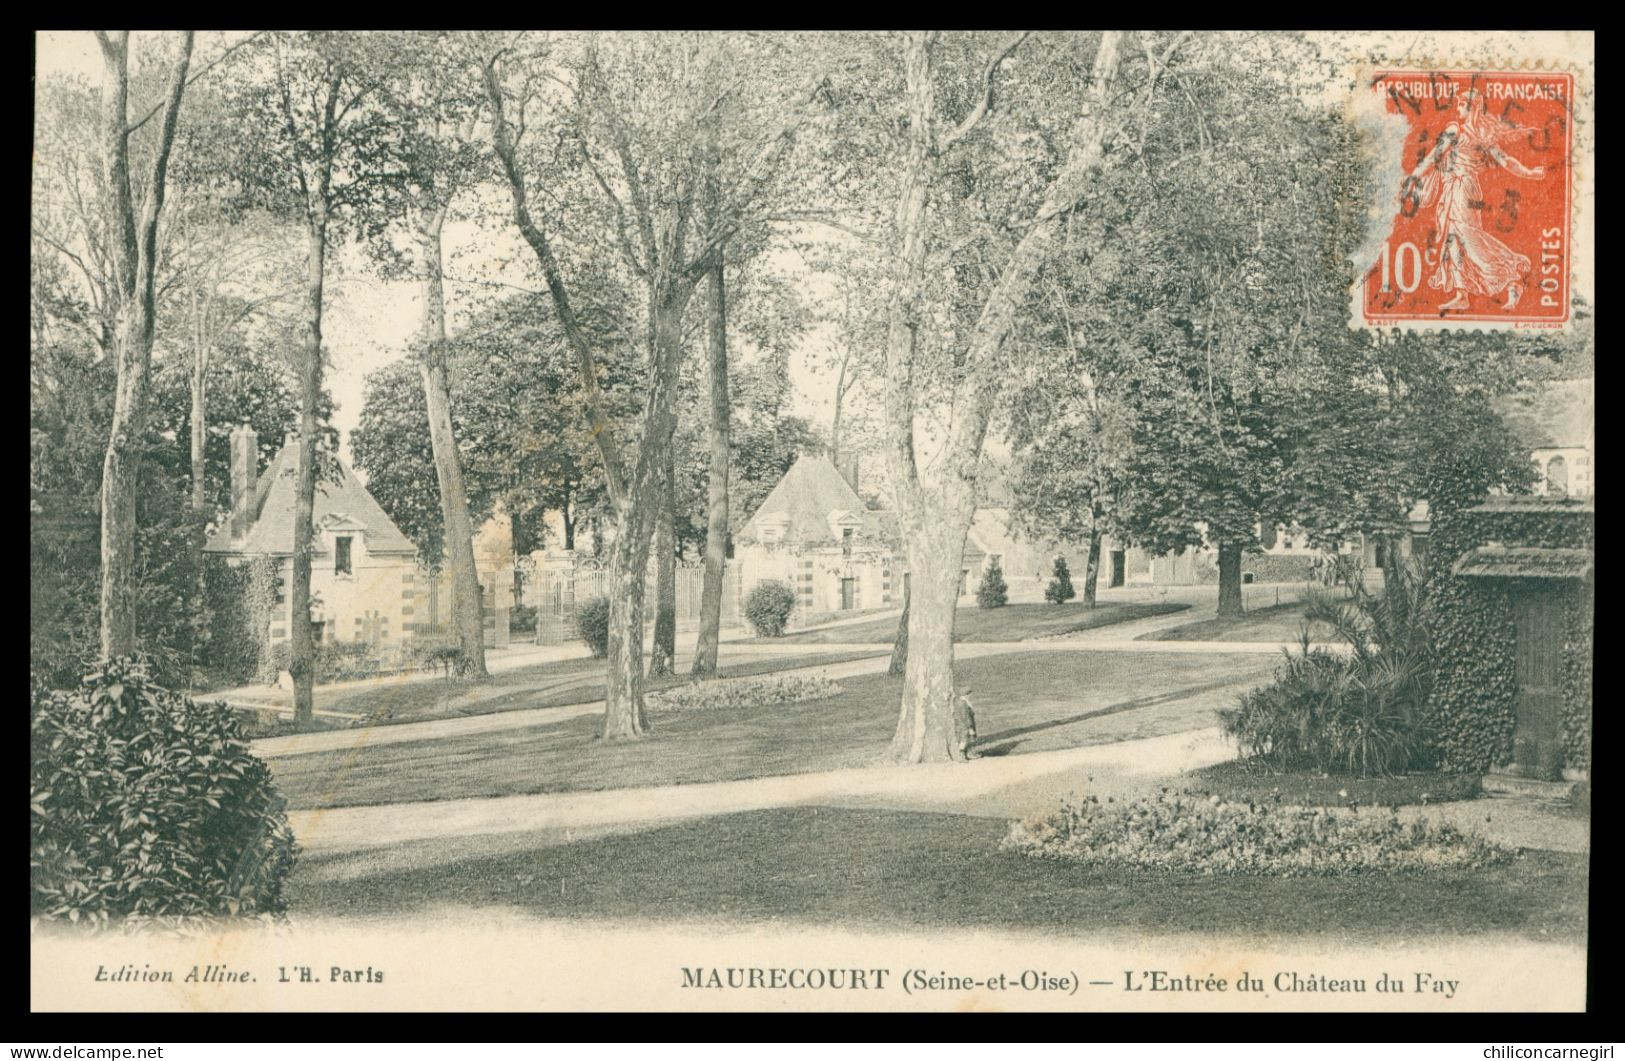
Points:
(815, 533)
(364, 571)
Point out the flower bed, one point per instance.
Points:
(742, 692)
(1206, 834)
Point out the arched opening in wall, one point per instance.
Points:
(1557, 478)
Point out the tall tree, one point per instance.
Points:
(719, 436)
(643, 159)
(438, 107)
(1002, 247)
(133, 247)
(323, 148)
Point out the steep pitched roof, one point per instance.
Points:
(1555, 414)
(810, 492)
(271, 516)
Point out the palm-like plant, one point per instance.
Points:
(1356, 713)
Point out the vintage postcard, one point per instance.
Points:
(806, 520)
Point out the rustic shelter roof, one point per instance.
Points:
(271, 512)
(1496, 561)
(804, 500)
(1573, 506)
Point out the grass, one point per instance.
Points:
(1309, 788)
(1013, 622)
(1025, 701)
(1278, 623)
(894, 869)
(560, 684)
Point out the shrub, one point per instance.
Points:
(334, 661)
(147, 804)
(992, 592)
(1060, 590)
(437, 652)
(522, 620)
(1361, 713)
(743, 692)
(592, 624)
(768, 607)
(1207, 834)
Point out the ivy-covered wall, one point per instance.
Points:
(1472, 706)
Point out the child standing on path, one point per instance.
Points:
(965, 719)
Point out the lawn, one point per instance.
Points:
(575, 681)
(1278, 623)
(1310, 788)
(1013, 622)
(894, 869)
(1025, 701)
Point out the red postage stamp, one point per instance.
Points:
(1482, 212)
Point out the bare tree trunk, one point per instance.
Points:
(716, 526)
(301, 661)
(1091, 573)
(1230, 578)
(927, 725)
(899, 647)
(133, 246)
(624, 714)
(121, 468)
(663, 656)
(468, 619)
(567, 517)
(200, 422)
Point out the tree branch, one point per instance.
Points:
(985, 103)
(602, 429)
(245, 42)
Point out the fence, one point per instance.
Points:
(555, 593)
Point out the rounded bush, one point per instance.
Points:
(147, 804)
(768, 607)
(592, 624)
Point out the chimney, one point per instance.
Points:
(849, 472)
(244, 472)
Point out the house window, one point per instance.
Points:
(846, 541)
(341, 557)
(281, 588)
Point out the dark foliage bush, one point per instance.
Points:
(522, 620)
(148, 804)
(592, 624)
(1060, 590)
(992, 592)
(768, 607)
(1364, 712)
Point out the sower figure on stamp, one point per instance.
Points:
(1471, 261)
(965, 722)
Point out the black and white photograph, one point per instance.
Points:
(583, 520)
